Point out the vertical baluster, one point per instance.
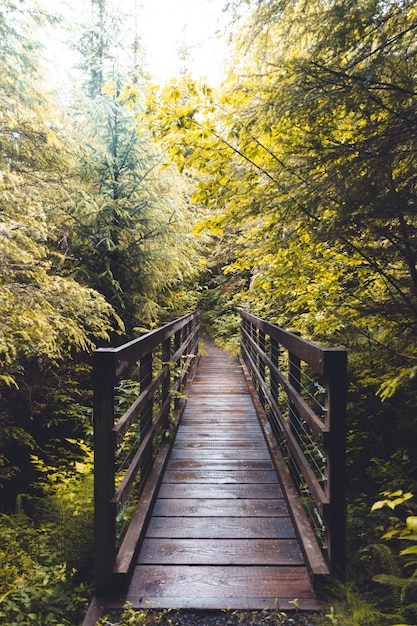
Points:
(104, 367)
(335, 369)
(254, 335)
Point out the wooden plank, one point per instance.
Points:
(218, 435)
(220, 477)
(227, 491)
(235, 419)
(220, 552)
(217, 401)
(224, 454)
(199, 581)
(213, 428)
(221, 527)
(201, 507)
(218, 444)
(218, 464)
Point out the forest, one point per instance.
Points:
(289, 190)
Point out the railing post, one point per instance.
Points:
(336, 381)
(242, 338)
(177, 340)
(194, 326)
(104, 367)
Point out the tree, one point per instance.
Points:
(44, 312)
(128, 226)
(47, 317)
(109, 45)
(310, 145)
(306, 165)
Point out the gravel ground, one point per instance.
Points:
(216, 618)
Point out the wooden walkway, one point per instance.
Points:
(220, 535)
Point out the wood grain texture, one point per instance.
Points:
(220, 552)
(227, 491)
(221, 588)
(230, 465)
(207, 507)
(221, 528)
(205, 475)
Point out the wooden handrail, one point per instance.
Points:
(170, 350)
(302, 431)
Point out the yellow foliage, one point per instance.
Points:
(109, 89)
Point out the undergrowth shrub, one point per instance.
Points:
(46, 561)
(65, 506)
(35, 588)
(396, 555)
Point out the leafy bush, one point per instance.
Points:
(43, 564)
(399, 566)
(66, 508)
(35, 588)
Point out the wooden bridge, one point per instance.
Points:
(219, 482)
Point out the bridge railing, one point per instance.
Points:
(302, 388)
(137, 393)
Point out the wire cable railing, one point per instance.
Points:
(302, 389)
(138, 389)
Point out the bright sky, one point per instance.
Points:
(169, 25)
(164, 27)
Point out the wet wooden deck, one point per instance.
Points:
(220, 535)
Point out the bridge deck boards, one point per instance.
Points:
(220, 535)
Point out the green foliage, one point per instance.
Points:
(351, 606)
(298, 162)
(108, 40)
(36, 587)
(43, 564)
(131, 617)
(218, 303)
(301, 173)
(45, 315)
(128, 231)
(65, 507)
(396, 576)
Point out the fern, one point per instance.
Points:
(394, 576)
(390, 563)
